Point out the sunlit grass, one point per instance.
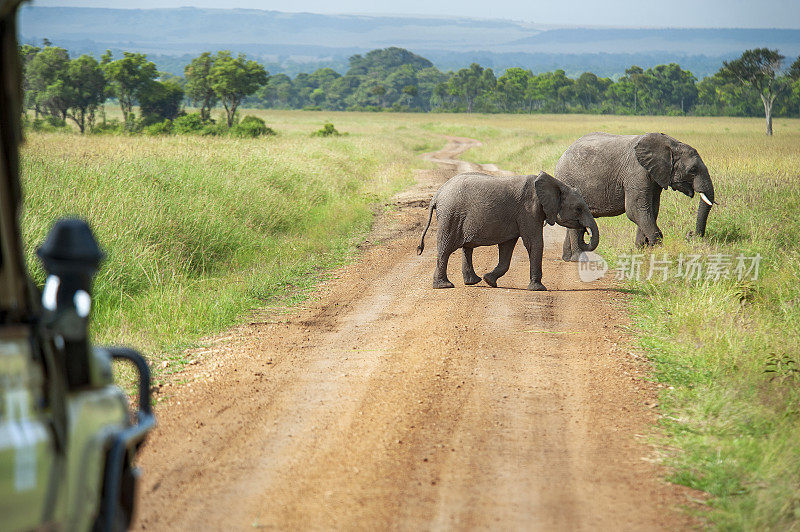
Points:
(200, 231)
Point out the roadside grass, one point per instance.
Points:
(728, 348)
(199, 232)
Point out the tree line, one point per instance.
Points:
(62, 88)
(394, 79)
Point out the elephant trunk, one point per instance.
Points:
(704, 187)
(590, 225)
(702, 218)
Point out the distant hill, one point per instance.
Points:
(294, 42)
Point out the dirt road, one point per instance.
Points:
(383, 403)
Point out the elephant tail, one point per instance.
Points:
(430, 217)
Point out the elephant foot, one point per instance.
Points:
(537, 286)
(571, 257)
(473, 279)
(491, 282)
(442, 283)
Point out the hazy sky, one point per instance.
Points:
(667, 13)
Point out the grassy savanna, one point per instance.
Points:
(727, 350)
(201, 230)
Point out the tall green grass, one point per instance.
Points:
(729, 350)
(200, 231)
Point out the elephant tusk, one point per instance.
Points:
(704, 198)
(589, 231)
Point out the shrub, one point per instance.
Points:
(49, 124)
(212, 129)
(159, 128)
(111, 127)
(191, 123)
(251, 127)
(327, 131)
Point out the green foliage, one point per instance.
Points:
(48, 124)
(85, 90)
(128, 78)
(198, 86)
(232, 79)
(46, 79)
(110, 127)
(250, 127)
(395, 79)
(214, 129)
(327, 131)
(159, 128)
(188, 123)
(391, 79)
(759, 69)
(470, 83)
(160, 99)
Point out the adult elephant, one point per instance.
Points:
(618, 174)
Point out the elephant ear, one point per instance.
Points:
(654, 153)
(548, 190)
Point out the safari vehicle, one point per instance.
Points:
(67, 437)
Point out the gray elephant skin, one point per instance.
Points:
(626, 174)
(475, 209)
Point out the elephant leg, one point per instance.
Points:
(440, 279)
(645, 209)
(467, 271)
(571, 252)
(506, 250)
(535, 247)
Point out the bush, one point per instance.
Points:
(327, 131)
(191, 123)
(251, 127)
(111, 127)
(159, 128)
(211, 129)
(49, 124)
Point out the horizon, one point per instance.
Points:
(749, 16)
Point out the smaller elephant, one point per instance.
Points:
(475, 209)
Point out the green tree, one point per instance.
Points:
(85, 90)
(512, 89)
(793, 74)
(277, 93)
(233, 78)
(666, 88)
(198, 87)
(161, 100)
(26, 54)
(379, 91)
(470, 83)
(620, 96)
(759, 70)
(127, 77)
(46, 73)
(589, 89)
(549, 89)
(410, 92)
